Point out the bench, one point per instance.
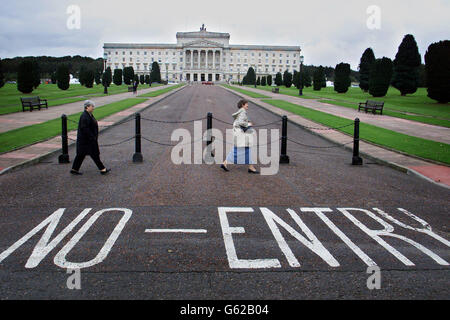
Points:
(33, 103)
(275, 90)
(371, 105)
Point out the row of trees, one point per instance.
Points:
(28, 76)
(404, 73)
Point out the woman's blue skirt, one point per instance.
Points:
(240, 155)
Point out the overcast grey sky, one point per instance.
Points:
(329, 32)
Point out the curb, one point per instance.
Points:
(39, 159)
(390, 164)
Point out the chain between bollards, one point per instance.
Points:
(137, 157)
(357, 160)
(284, 158)
(64, 157)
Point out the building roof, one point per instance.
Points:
(203, 34)
(140, 46)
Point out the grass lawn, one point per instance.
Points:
(31, 134)
(411, 145)
(416, 107)
(248, 93)
(10, 96)
(162, 91)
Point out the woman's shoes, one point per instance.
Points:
(224, 168)
(253, 172)
(105, 172)
(74, 172)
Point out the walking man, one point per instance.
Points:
(87, 143)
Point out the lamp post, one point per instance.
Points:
(105, 57)
(300, 92)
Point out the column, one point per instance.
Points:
(214, 60)
(192, 59)
(199, 54)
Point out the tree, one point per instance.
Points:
(147, 79)
(380, 77)
(437, 65)
(128, 75)
(117, 78)
(89, 78)
(278, 79)
(365, 65)
(36, 74)
(258, 81)
(251, 76)
(269, 80)
(53, 77)
(263, 81)
(318, 78)
(63, 77)
(296, 79)
(306, 78)
(155, 74)
(287, 79)
(245, 80)
(406, 66)
(142, 79)
(25, 77)
(342, 78)
(98, 78)
(107, 77)
(2, 76)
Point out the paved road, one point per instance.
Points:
(240, 241)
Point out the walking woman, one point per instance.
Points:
(240, 154)
(87, 143)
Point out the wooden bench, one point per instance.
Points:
(371, 105)
(276, 90)
(33, 103)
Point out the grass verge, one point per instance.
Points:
(21, 137)
(419, 147)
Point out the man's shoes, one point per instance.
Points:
(253, 172)
(105, 172)
(224, 168)
(74, 172)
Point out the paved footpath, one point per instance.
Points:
(408, 127)
(21, 119)
(160, 230)
(431, 171)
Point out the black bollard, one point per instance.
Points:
(284, 158)
(137, 157)
(208, 130)
(64, 157)
(357, 160)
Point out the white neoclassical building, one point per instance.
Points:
(203, 56)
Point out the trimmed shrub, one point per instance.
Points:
(406, 66)
(380, 77)
(437, 65)
(342, 78)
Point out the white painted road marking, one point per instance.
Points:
(176, 230)
(45, 245)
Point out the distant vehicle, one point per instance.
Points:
(208, 83)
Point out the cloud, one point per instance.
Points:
(329, 32)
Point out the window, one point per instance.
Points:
(138, 53)
(287, 61)
(167, 53)
(145, 53)
(253, 54)
(294, 62)
(281, 61)
(131, 52)
(281, 55)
